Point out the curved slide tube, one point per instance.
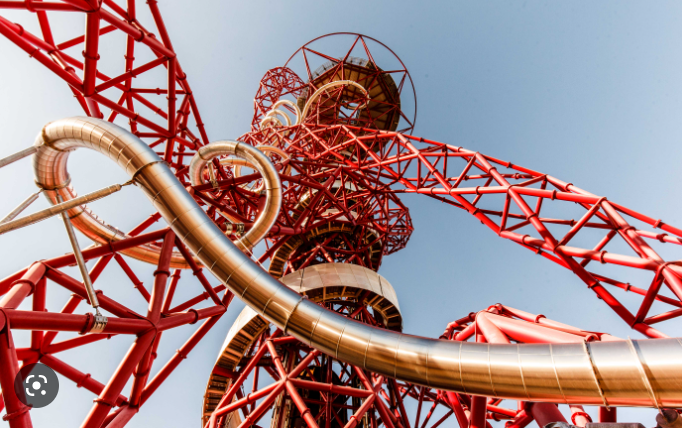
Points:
(49, 166)
(327, 86)
(632, 373)
(273, 199)
(271, 116)
(196, 170)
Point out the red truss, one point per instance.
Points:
(511, 201)
(497, 324)
(320, 220)
(148, 325)
(334, 399)
(343, 171)
(379, 108)
(276, 83)
(161, 114)
(505, 325)
(309, 389)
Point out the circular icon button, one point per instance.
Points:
(36, 385)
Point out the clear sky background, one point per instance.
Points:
(589, 92)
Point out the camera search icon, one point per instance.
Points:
(36, 385)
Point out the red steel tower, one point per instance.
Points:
(318, 179)
(334, 144)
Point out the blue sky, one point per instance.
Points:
(589, 92)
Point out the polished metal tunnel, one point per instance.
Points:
(273, 199)
(627, 373)
(320, 282)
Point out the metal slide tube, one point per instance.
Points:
(324, 88)
(273, 199)
(49, 167)
(281, 102)
(637, 373)
(264, 148)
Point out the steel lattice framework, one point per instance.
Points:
(343, 164)
(390, 163)
(165, 113)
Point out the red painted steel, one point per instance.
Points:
(342, 177)
(45, 326)
(162, 117)
(509, 199)
(500, 321)
(325, 392)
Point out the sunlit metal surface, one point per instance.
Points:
(641, 373)
(273, 198)
(49, 166)
(319, 282)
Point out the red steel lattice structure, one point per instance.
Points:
(162, 117)
(392, 163)
(309, 380)
(344, 169)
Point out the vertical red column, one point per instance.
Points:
(154, 314)
(478, 412)
(17, 413)
(607, 415)
(478, 403)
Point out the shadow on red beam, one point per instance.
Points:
(284, 340)
(224, 372)
(189, 317)
(121, 417)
